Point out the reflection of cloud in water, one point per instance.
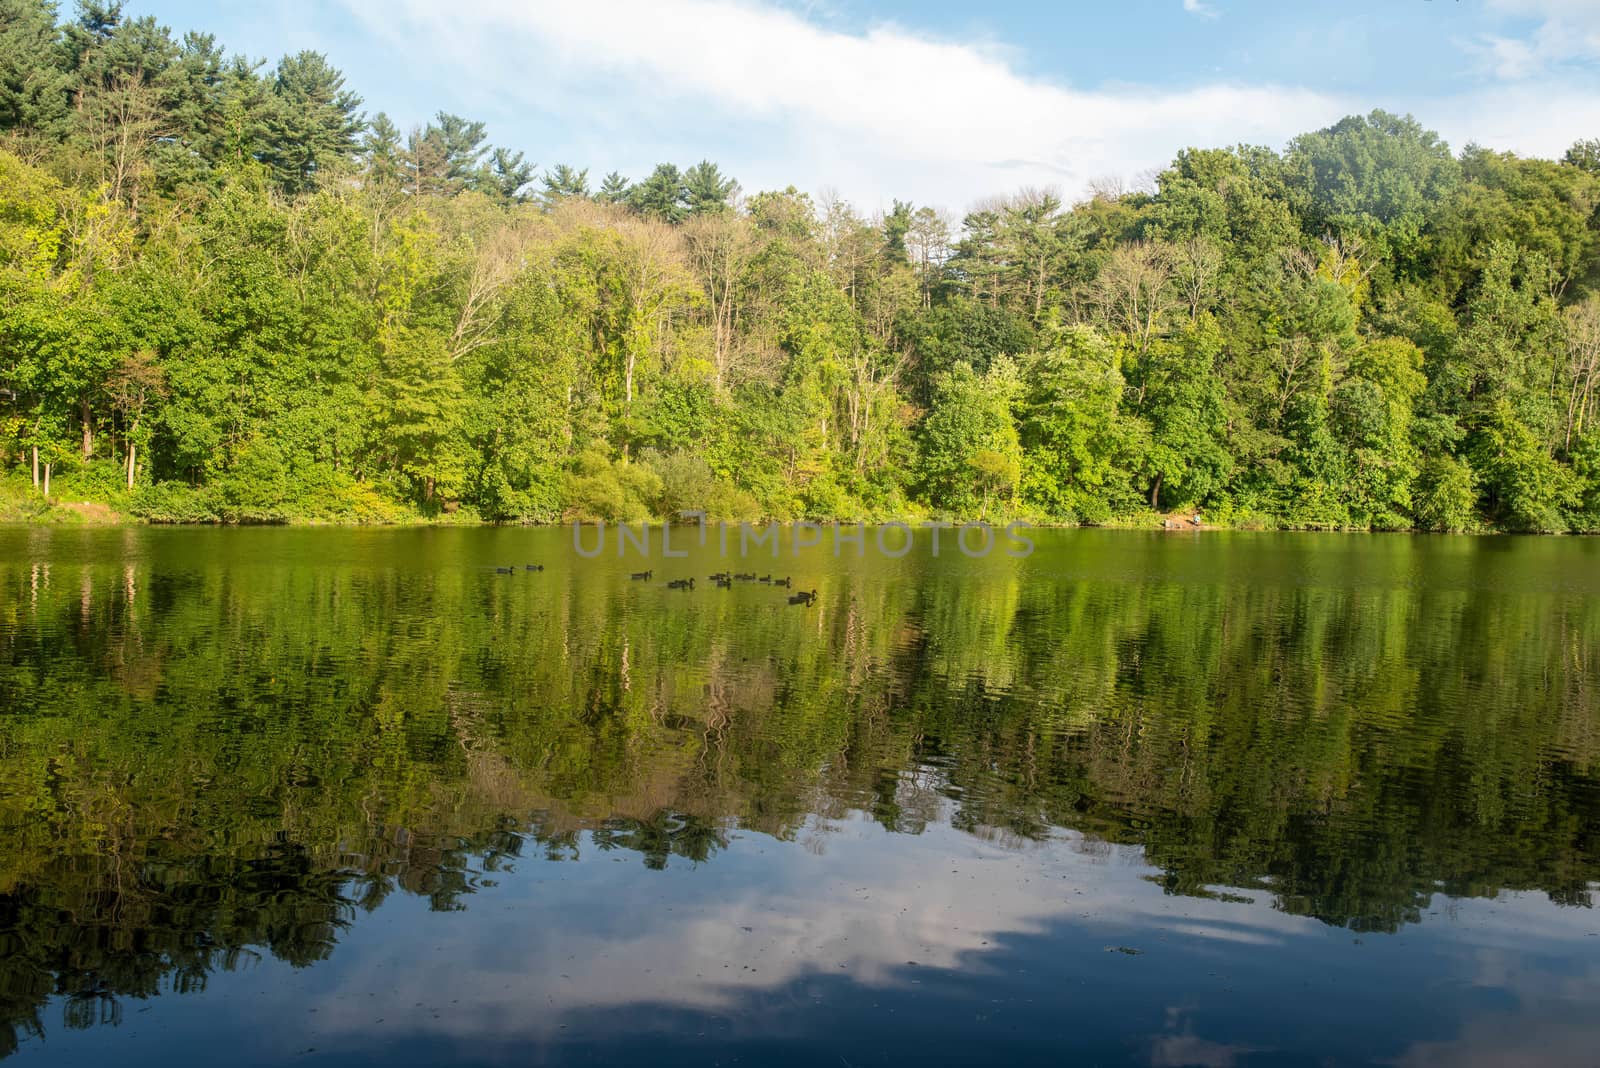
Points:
(1188, 1051)
(1555, 1036)
(956, 946)
(1226, 933)
(1544, 960)
(763, 916)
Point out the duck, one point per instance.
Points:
(766, 578)
(723, 582)
(721, 576)
(804, 597)
(505, 571)
(681, 584)
(642, 575)
(786, 582)
(533, 567)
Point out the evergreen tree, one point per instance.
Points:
(564, 182)
(445, 156)
(508, 175)
(33, 89)
(382, 150)
(705, 190)
(314, 125)
(895, 227)
(614, 189)
(661, 195)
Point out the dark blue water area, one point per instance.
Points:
(855, 946)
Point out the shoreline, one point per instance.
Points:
(99, 515)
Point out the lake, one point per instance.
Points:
(288, 796)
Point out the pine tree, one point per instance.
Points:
(705, 190)
(508, 175)
(562, 183)
(614, 189)
(33, 89)
(660, 196)
(381, 150)
(314, 126)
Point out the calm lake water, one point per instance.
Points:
(282, 796)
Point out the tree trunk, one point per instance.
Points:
(1155, 493)
(88, 428)
(427, 489)
(36, 467)
(132, 449)
(47, 481)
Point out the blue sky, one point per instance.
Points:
(938, 101)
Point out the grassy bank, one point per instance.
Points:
(96, 494)
(77, 500)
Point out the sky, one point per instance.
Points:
(940, 102)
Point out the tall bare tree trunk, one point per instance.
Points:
(132, 449)
(36, 467)
(47, 481)
(88, 427)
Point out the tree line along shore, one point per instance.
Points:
(229, 292)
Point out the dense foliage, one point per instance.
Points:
(228, 293)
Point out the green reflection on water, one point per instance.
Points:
(215, 744)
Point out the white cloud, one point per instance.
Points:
(778, 96)
(878, 113)
(1534, 118)
(1201, 8)
(1567, 31)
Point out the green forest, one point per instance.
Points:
(232, 291)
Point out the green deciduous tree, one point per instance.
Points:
(1078, 444)
(971, 453)
(1526, 488)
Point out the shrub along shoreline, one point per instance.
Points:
(180, 505)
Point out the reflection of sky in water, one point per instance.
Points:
(855, 946)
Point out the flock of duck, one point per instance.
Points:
(722, 579)
(725, 581)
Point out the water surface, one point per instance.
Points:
(295, 795)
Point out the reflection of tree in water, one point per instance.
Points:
(94, 941)
(662, 836)
(236, 774)
(184, 918)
